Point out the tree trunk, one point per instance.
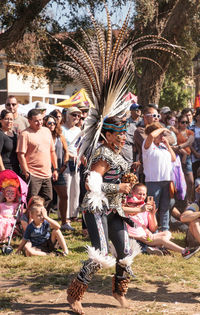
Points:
(16, 31)
(150, 82)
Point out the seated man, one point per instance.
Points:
(192, 216)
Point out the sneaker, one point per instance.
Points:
(67, 226)
(61, 253)
(154, 251)
(189, 252)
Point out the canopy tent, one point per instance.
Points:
(24, 109)
(130, 97)
(197, 101)
(80, 97)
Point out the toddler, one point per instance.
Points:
(37, 240)
(26, 218)
(144, 217)
(8, 207)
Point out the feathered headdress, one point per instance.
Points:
(104, 69)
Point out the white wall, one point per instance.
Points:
(16, 83)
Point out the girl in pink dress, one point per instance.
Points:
(8, 207)
(145, 223)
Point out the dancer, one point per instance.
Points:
(104, 216)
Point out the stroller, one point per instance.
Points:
(23, 189)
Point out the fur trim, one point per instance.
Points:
(96, 256)
(94, 181)
(128, 260)
(96, 197)
(135, 250)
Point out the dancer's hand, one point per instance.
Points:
(124, 188)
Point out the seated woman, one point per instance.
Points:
(144, 217)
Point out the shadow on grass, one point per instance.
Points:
(163, 294)
(102, 285)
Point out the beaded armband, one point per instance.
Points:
(110, 188)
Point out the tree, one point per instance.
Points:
(16, 17)
(176, 20)
(170, 19)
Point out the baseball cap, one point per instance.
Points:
(135, 106)
(40, 105)
(73, 109)
(83, 105)
(165, 110)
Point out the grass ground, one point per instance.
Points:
(37, 285)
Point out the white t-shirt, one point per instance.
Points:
(70, 135)
(157, 163)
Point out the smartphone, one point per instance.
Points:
(150, 200)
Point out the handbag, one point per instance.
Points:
(172, 189)
(72, 166)
(178, 178)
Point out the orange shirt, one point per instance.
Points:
(182, 139)
(37, 147)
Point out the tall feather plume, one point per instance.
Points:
(109, 42)
(105, 69)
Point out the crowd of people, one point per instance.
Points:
(43, 150)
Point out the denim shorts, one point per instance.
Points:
(187, 168)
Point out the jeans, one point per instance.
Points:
(160, 192)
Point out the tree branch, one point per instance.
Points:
(16, 31)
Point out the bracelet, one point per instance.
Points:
(56, 169)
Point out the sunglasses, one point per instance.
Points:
(154, 115)
(184, 122)
(51, 123)
(11, 104)
(8, 119)
(76, 115)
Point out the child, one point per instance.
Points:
(26, 218)
(8, 207)
(144, 217)
(37, 240)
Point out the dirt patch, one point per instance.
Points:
(153, 298)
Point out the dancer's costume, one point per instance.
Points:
(104, 71)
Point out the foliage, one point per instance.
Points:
(175, 94)
(176, 20)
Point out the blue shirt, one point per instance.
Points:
(37, 235)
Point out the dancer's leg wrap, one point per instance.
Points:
(79, 285)
(88, 270)
(76, 289)
(120, 285)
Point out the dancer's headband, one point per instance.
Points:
(114, 127)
